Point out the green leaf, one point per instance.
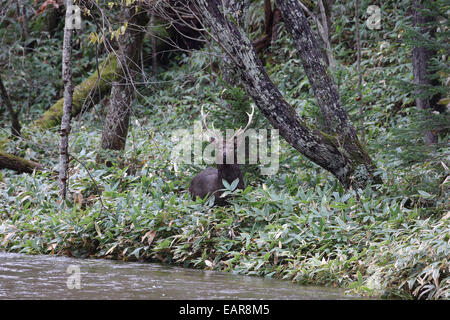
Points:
(226, 184)
(426, 194)
(234, 184)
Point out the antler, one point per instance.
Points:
(240, 130)
(212, 132)
(217, 136)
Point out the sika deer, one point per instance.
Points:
(209, 181)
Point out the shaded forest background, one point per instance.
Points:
(128, 200)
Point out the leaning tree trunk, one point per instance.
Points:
(309, 52)
(325, 8)
(115, 131)
(421, 59)
(67, 106)
(338, 151)
(97, 86)
(100, 85)
(236, 9)
(18, 164)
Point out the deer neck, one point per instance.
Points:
(229, 172)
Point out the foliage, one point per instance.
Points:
(389, 240)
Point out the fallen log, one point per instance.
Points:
(21, 165)
(93, 84)
(167, 40)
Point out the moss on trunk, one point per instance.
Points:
(92, 85)
(109, 73)
(21, 165)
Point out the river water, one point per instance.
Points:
(55, 277)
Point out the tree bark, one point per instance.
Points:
(15, 124)
(358, 63)
(325, 14)
(18, 164)
(116, 126)
(309, 52)
(237, 10)
(323, 27)
(115, 131)
(338, 152)
(67, 106)
(421, 59)
(328, 6)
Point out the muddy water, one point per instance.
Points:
(53, 277)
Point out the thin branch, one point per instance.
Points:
(358, 62)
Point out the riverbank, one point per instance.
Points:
(293, 226)
(389, 240)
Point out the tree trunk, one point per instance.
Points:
(358, 63)
(309, 52)
(325, 14)
(21, 165)
(54, 16)
(338, 152)
(115, 131)
(15, 124)
(272, 20)
(328, 6)
(323, 28)
(421, 59)
(327, 96)
(154, 50)
(22, 13)
(237, 10)
(95, 87)
(67, 106)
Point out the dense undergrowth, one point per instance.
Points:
(389, 240)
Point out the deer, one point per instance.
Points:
(209, 181)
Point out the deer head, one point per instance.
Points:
(209, 181)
